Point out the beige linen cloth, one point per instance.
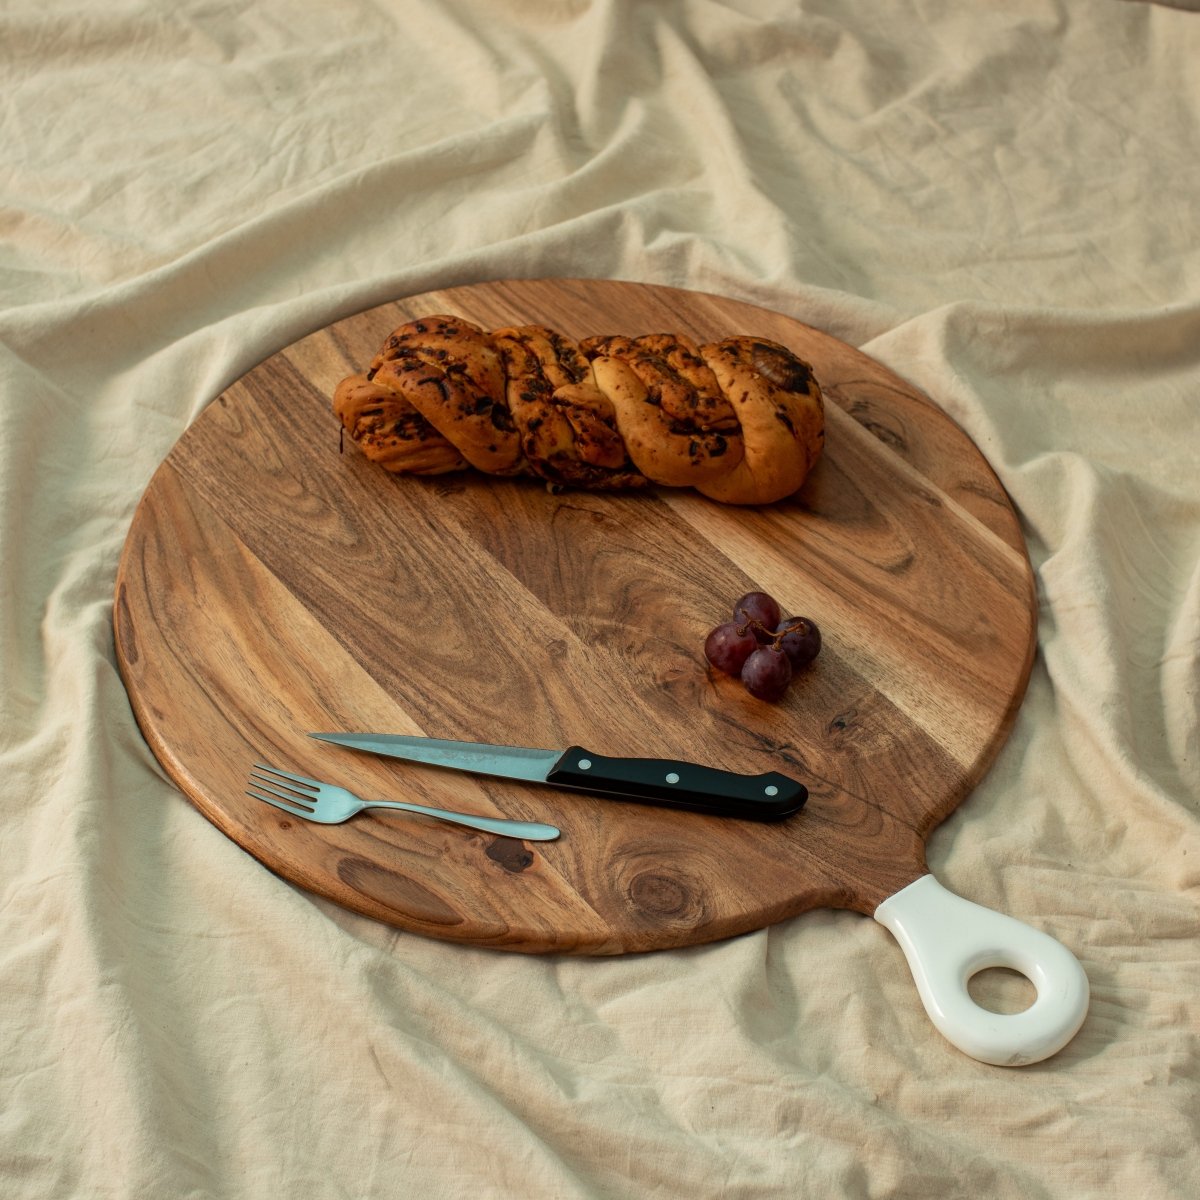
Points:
(1000, 203)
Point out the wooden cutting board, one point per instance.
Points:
(273, 583)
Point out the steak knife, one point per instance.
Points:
(661, 781)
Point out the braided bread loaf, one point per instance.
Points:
(740, 420)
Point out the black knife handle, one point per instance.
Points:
(769, 797)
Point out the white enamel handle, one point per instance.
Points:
(947, 940)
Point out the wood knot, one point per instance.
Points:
(844, 721)
(660, 895)
(511, 853)
(885, 426)
(657, 892)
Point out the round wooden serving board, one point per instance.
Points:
(272, 585)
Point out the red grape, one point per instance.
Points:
(800, 639)
(728, 647)
(761, 647)
(767, 673)
(760, 611)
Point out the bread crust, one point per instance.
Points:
(451, 372)
(678, 427)
(390, 431)
(781, 412)
(741, 420)
(568, 426)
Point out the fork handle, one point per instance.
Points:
(530, 831)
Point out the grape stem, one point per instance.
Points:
(777, 640)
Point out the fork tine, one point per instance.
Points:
(296, 810)
(303, 780)
(282, 791)
(283, 783)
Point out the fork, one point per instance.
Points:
(330, 805)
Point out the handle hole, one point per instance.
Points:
(1001, 990)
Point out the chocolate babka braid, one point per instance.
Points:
(740, 420)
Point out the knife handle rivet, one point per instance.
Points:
(771, 790)
(585, 764)
(672, 777)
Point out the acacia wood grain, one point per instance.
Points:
(272, 584)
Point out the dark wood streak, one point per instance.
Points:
(270, 586)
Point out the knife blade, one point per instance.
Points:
(665, 782)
